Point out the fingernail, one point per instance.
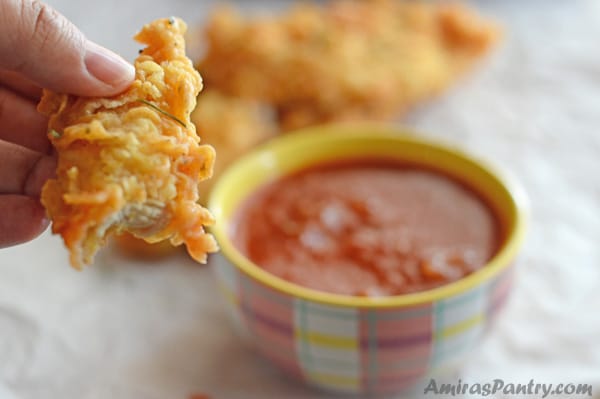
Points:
(107, 66)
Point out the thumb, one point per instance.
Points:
(43, 45)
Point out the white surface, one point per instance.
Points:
(125, 330)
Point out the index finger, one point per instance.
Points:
(20, 123)
(23, 171)
(20, 85)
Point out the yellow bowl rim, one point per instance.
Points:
(502, 260)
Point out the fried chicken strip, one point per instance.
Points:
(348, 59)
(132, 162)
(232, 126)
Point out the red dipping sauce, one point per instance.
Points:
(367, 228)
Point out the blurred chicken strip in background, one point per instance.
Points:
(347, 60)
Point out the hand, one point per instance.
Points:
(40, 48)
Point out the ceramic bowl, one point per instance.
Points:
(362, 344)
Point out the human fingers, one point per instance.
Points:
(20, 123)
(43, 45)
(23, 218)
(23, 171)
(20, 85)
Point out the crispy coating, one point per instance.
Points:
(134, 247)
(232, 126)
(349, 59)
(132, 162)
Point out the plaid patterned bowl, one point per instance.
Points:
(358, 344)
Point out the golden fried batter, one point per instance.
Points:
(132, 162)
(350, 59)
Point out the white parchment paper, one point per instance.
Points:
(127, 330)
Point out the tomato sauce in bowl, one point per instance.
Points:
(367, 228)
